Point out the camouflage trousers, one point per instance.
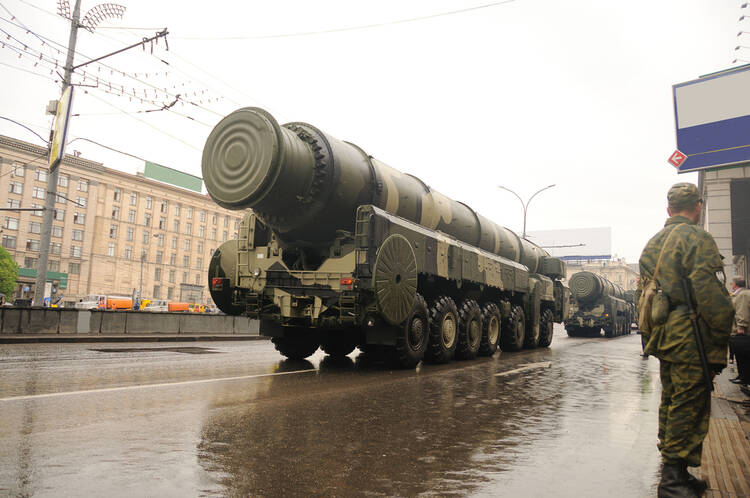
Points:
(684, 412)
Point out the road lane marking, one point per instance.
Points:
(146, 386)
(524, 367)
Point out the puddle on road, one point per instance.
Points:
(186, 350)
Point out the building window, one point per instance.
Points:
(176, 226)
(164, 207)
(60, 199)
(83, 185)
(200, 247)
(13, 203)
(203, 216)
(128, 252)
(131, 216)
(201, 231)
(185, 277)
(157, 274)
(189, 213)
(189, 229)
(236, 224)
(74, 268)
(77, 235)
(35, 227)
(39, 193)
(9, 241)
(157, 292)
(81, 201)
(147, 220)
(79, 218)
(159, 257)
(15, 187)
(186, 261)
(173, 259)
(213, 234)
(199, 262)
(116, 195)
(197, 279)
(226, 221)
(174, 242)
(59, 214)
(162, 223)
(40, 211)
(129, 233)
(53, 265)
(111, 249)
(57, 231)
(10, 223)
(170, 292)
(115, 212)
(160, 240)
(19, 169)
(32, 245)
(213, 218)
(224, 236)
(113, 231)
(146, 237)
(177, 210)
(62, 181)
(29, 262)
(133, 198)
(171, 276)
(40, 175)
(149, 202)
(76, 251)
(187, 245)
(55, 248)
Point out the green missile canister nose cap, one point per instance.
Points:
(683, 195)
(239, 157)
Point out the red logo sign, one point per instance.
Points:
(677, 158)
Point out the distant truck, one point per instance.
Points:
(162, 305)
(104, 302)
(596, 304)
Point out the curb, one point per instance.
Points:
(55, 338)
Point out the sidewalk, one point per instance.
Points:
(33, 338)
(726, 450)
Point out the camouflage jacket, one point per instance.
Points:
(692, 254)
(742, 309)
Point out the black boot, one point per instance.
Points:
(699, 485)
(676, 483)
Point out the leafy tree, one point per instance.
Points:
(8, 273)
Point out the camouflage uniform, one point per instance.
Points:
(686, 401)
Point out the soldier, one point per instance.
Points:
(690, 253)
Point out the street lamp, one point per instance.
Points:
(140, 282)
(525, 204)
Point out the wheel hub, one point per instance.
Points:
(449, 331)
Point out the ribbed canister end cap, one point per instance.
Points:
(240, 157)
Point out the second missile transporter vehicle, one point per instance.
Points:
(596, 304)
(338, 250)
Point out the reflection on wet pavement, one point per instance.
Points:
(585, 426)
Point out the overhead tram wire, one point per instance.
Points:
(349, 28)
(46, 142)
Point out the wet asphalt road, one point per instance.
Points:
(233, 418)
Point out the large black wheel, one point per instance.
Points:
(490, 329)
(338, 342)
(513, 331)
(469, 330)
(443, 331)
(297, 344)
(413, 336)
(546, 328)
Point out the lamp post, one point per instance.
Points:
(140, 281)
(525, 204)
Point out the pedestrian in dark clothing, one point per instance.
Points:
(739, 343)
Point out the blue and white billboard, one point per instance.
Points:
(712, 117)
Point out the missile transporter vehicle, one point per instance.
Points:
(338, 250)
(596, 304)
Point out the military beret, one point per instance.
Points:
(683, 195)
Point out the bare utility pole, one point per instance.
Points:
(49, 205)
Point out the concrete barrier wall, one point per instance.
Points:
(64, 321)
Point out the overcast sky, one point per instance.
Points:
(522, 93)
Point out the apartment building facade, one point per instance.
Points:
(113, 233)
